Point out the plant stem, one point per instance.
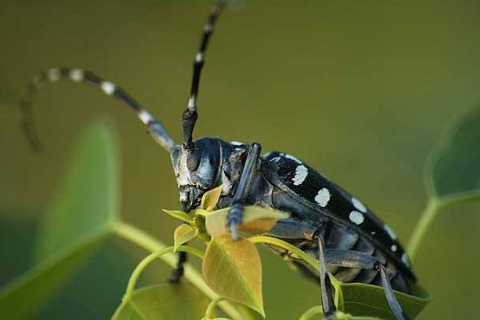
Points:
(149, 243)
(423, 225)
(211, 307)
(311, 312)
(434, 204)
(149, 259)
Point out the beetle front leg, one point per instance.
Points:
(356, 259)
(295, 229)
(236, 211)
(177, 273)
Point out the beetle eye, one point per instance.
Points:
(193, 161)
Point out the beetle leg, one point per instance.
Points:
(177, 273)
(355, 259)
(236, 211)
(328, 304)
(292, 228)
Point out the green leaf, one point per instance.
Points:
(88, 200)
(256, 220)
(210, 199)
(177, 214)
(183, 234)
(369, 300)
(453, 169)
(77, 223)
(164, 301)
(35, 287)
(233, 270)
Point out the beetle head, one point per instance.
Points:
(196, 170)
(210, 163)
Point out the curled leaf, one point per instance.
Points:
(177, 214)
(183, 234)
(233, 270)
(256, 220)
(210, 199)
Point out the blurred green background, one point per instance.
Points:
(359, 90)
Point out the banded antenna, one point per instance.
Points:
(155, 128)
(190, 115)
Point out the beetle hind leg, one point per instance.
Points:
(356, 259)
(328, 304)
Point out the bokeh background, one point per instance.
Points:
(359, 90)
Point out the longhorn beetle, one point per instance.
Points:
(347, 239)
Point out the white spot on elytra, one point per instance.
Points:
(356, 217)
(394, 248)
(373, 233)
(145, 117)
(390, 231)
(53, 75)
(293, 158)
(359, 205)
(76, 75)
(301, 174)
(108, 87)
(405, 259)
(322, 197)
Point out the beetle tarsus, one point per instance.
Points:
(328, 304)
(235, 216)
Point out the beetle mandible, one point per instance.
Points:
(347, 239)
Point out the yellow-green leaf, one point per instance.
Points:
(183, 234)
(177, 214)
(210, 199)
(256, 220)
(164, 301)
(233, 270)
